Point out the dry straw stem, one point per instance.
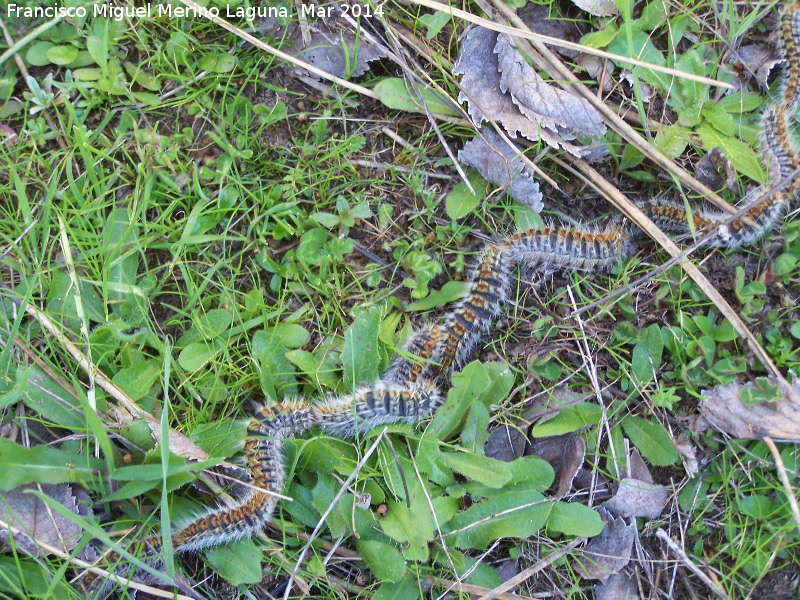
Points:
(784, 479)
(178, 443)
(533, 570)
(635, 214)
(475, 590)
(52, 550)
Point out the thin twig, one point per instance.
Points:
(531, 571)
(784, 479)
(690, 564)
(324, 516)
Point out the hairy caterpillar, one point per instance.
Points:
(410, 389)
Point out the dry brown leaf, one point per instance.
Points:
(715, 171)
(598, 8)
(32, 519)
(723, 410)
(572, 457)
(335, 48)
(555, 109)
(617, 587)
(499, 163)
(758, 60)
(505, 443)
(637, 468)
(609, 552)
(478, 64)
(635, 498)
(536, 17)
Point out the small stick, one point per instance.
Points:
(784, 479)
(688, 562)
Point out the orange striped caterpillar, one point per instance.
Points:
(409, 391)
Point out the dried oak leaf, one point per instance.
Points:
(31, 518)
(555, 109)
(500, 164)
(636, 498)
(480, 84)
(723, 409)
(536, 17)
(617, 587)
(609, 552)
(335, 48)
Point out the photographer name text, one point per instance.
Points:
(118, 13)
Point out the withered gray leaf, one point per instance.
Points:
(724, 411)
(505, 443)
(573, 455)
(715, 171)
(598, 8)
(758, 60)
(536, 17)
(31, 518)
(481, 82)
(335, 48)
(637, 468)
(609, 552)
(636, 498)
(555, 109)
(499, 163)
(617, 587)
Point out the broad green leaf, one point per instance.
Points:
(460, 201)
(98, 48)
(468, 387)
(718, 118)
(395, 93)
(382, 559)
(488, 471)
(475, 430)
(214, 322)
(221, 438)
(509, 514)
(531, 469)
(673, 140)
(602, 37)
(323, 493)
(406, 589)
(47, 398)
(631, 157)
(19, 465)
(742, 156)
(757, 506)
(652, 440)
(360, 356)
(196, 355)
(238, 562)
(449, 292)
(37, 54)
(569, 418)
(137, 380)
(434, 23)
(147, 98)
(62, 55)
(30, 578)
(573, 518)
(431, 461)
(291, 335)
(218, 63)
(411, 527)
(641, 365)
(121, 249)
(326, 219)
